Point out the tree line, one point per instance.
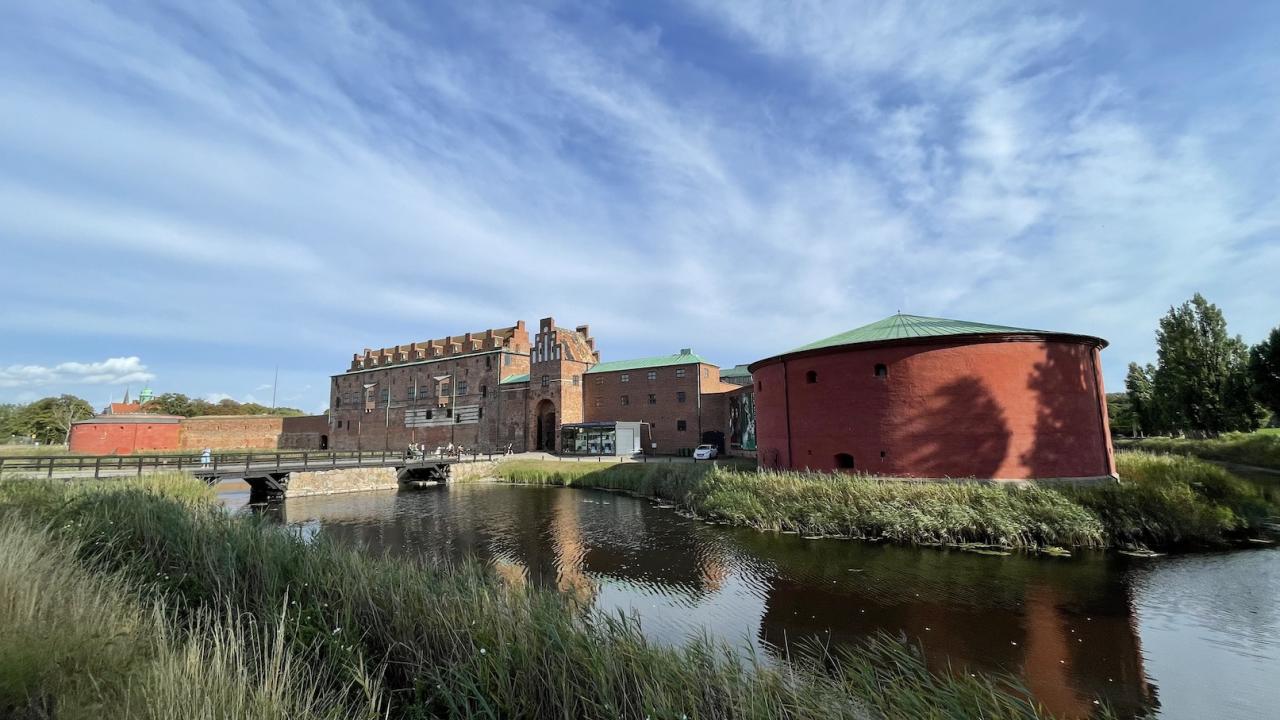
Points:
(1205, 381)
(48, 420)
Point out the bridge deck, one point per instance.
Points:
(220, 465)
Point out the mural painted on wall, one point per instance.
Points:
(742, 421)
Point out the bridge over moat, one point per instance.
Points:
(267, 473)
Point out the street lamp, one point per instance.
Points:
(453, 402)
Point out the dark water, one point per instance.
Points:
(1193, 636)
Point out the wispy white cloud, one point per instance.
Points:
(112, 371)
(379, 174)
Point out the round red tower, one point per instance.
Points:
(913, 396)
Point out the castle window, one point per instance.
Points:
(484, 391)
(882, 370)
(480, 414)
(546, 381)
(680, 396)
(681, 426)
(679, 372)
(337, 402)
(811, 377)
(576, 380)
(339, 424)
(429, 414)
(462, 388)
(448, 412)
(625, 378)
(653, 399)
(653, 375)
(386, 395)
(600, 380)
(844, 461)
(599, 402)
(506, 359)
(626, 399)
(488, 362)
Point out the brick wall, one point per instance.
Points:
(605, 392)
(392, 407)
(996, 409)
(105, 435)
(231, 432)
(307, 432)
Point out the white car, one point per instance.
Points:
(705, 452)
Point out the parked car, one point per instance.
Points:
(705, 452)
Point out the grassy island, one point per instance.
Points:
(1162, 502)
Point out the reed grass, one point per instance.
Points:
(1259, 449)
(456, 642)
(75, 644)
(1171, 501)
(1159, 503)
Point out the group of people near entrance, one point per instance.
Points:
(419, 451)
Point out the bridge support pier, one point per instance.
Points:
(270, 487)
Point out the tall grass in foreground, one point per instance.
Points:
(79, 645)
(1160, 502)
(456, 642)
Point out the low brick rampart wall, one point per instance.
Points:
(330, 482)
(474, 471)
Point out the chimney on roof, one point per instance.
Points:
(686, 351)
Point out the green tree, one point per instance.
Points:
(1120, 414)
(170, 404)
(1201, 382)
(49, 419)
(9, 414)
(1140, 390)
(1264, 371)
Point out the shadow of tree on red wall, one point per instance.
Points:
(960, 432)
(1066, 442)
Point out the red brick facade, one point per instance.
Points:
(518, 393)
(1005, 408)
(434, 393)
(124, 434)
(679, 403)
(227, 432)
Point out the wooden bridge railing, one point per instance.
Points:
(221, 463)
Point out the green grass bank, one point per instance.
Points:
(146, 579)
(1259, 449)
(1162, 502)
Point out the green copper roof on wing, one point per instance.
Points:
(682, 358)
(903, 327)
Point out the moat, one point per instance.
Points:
(1183, 636)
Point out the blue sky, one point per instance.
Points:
(194, 193)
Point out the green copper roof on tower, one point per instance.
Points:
(902, 327)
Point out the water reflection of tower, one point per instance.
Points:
(569, 547)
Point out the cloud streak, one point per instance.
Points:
(112, 371)
(237, 185)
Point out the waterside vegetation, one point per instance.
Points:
(1257, 449)
(143, 583)
(1162, 502)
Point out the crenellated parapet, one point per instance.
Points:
(514, 339)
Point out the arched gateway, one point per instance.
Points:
(546, 426)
